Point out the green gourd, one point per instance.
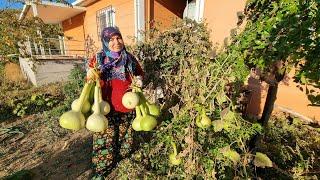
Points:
(148, 122)
(136, 123)
(97, 122)
(74, 119)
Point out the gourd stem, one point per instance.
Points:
(96, 97)
(138, 111)
(100, 94)
(142, 110)
(83, 95)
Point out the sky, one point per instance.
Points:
(6, 4)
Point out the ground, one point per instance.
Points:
(27, 145)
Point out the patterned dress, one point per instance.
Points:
(115, 144)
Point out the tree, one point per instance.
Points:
(280, 35)
(14, 31)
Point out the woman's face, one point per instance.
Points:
(116, 43)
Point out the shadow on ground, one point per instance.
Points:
(72, 162)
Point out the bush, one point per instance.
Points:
(179, 61)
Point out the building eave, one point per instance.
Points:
(50, 12)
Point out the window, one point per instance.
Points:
(194, 10)
(105, 18)
(190, 10)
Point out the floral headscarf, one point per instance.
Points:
(114, 64)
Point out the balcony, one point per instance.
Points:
(48, 60)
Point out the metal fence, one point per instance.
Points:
(53, 47)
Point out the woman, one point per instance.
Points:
(117, 66)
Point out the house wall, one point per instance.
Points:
(221, 17)
(124, 19)
(289, 97)
(74, 34)
(164, 12)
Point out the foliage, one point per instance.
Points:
(36, 103)
(179, 61)
(73, 87)
(295, 146)
(2, 65)
(284, 30)
(18, 103)
(23, 174)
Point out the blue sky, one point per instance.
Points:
(6, 4)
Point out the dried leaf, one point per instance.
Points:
(224, 112)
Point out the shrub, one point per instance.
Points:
(179, 61)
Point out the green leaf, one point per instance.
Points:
(262, 160)
(228, 116)
(217, 125)
(100, 141)
(231, 154)
(303, 79)
(104, 152)
(33, 97)
(221, 98)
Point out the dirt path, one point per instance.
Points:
(26, 145)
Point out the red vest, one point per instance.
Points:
(113, 90)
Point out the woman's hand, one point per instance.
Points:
(92, 74)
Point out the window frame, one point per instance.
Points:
(106, 11)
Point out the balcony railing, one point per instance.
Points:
(47, 48)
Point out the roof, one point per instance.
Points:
(83, 3)
(50, 12)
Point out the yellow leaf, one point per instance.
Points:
(262, 160)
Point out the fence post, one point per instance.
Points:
(61, 44)
(29, 46)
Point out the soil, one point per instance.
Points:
(28, 144)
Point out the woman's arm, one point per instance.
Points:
(138, 68)
(139, 74)
(89, 68)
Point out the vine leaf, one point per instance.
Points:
(262, 160)
(227, 115)
(217, 125)
(221, 98)
(230, 154)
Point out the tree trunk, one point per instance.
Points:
(268, 106)
(267, 111)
